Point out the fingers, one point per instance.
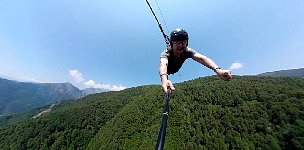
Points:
(167, 85)
(227, 75)
(171, 86)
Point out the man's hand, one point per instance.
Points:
(167, 84)
(224, 74)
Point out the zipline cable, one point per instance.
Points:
(161, 13)
(167, 40)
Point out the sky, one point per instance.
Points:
(117, 44)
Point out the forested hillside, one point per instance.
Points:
(18, 97)
(244, 113)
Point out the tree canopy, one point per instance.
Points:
(247, 112)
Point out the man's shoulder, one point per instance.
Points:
(190, 52)
(165, 54)
(188, 49)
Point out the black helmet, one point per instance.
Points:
(178, 35)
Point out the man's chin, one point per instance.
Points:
(181, 49)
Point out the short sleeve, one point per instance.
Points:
(190, 52)
(165, 54)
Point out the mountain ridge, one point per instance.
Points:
(248, 112)
(47, 93)
(20, 96)
(299, 72)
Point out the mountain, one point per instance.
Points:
(248, 112)
(286, 73)
(88, 91)
(20, 96)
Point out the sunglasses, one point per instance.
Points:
(184, 42)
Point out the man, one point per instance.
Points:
(171, 60)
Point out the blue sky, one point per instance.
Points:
(116, 44)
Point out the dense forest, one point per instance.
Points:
(247, 112)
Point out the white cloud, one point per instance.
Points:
(118, 88)
(77, 76)
(236, 65)
(92, 84)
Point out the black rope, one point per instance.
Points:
(160, 27)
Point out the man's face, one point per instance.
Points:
(179, 46)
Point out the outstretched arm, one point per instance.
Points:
(204, 60)
(164, 76)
